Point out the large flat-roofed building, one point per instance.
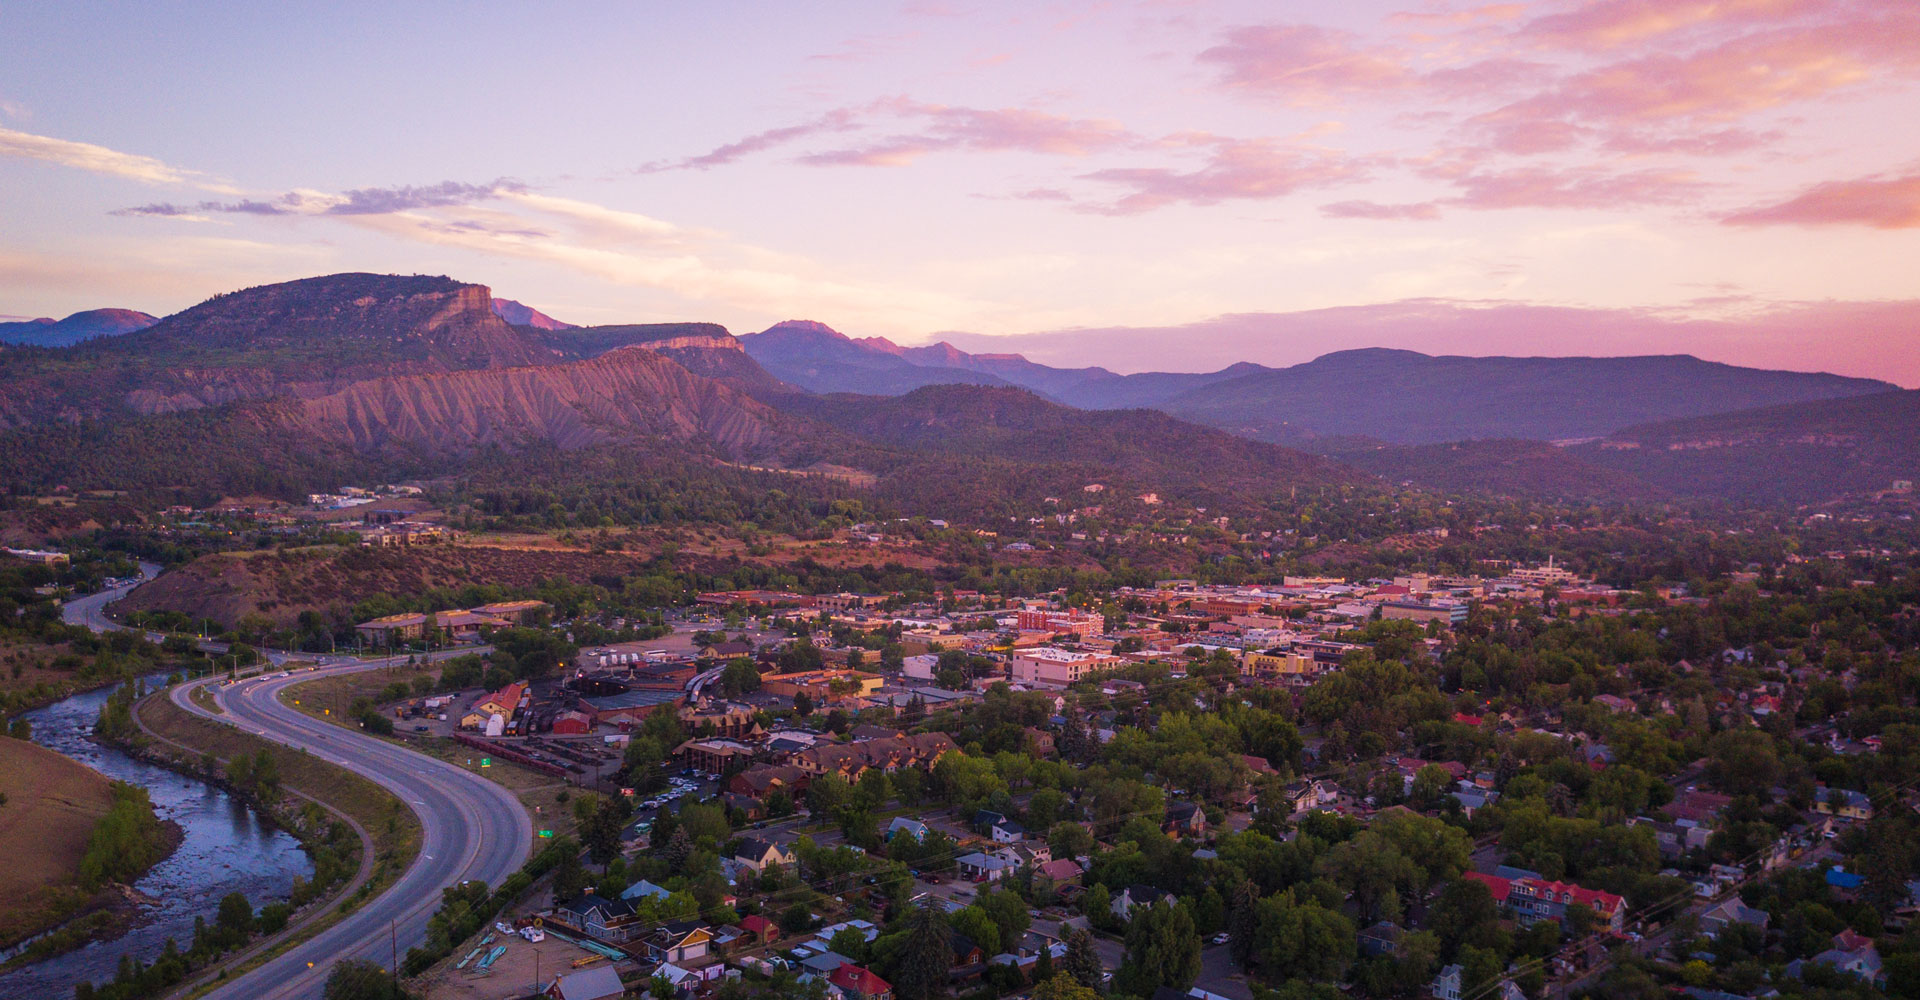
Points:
(1279, 662)
(1049, 667)
(822, 685)
(1447, 613)
(1084, 624)
(628, 707)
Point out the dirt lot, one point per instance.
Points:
(514, 974)
(51, 808)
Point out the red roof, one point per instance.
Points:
(1471, 720)
(1603, 903)
(756, 924)
(859, 980)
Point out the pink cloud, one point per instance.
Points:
(1494, 12)
(1425, 211)
(837, 120)
(1577, 188)
(1612, 23)
(1238, 169)
(1882, 203)
(980, 130)
(1305, 64)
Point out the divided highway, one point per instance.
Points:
(471, 828)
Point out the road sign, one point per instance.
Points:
(546, 833)
(486, 762)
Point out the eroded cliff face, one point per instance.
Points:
(627, 393)
(303, 339)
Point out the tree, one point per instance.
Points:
(1163, 949)
(1082, 962)
(601, 832)
(235, 916)
(359, 979)
(802, 704)
(925, 956)
(1061, 987)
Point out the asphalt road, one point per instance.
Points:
(471, 828)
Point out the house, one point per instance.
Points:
(1853, 954)
(598, 983)
(1843, 802)
(757, 854)
(1007, 832)
(644, 889)
(983, 867)
(1446, 985)
(986, 819)
(1731, 912)
(1382, 938)
(1136, 895)
(858, 983)
(606, 919)
(968, 956)
(1532, 899)
(1184, 819)
(759, 929)
(679, 941)
(912, 828)
(1061, 870)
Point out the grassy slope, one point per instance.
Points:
(52, 806)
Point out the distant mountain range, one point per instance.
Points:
(307, 379)
(1400, 397)
(81, 326)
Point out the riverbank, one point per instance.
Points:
(50, 824)
(322, 804)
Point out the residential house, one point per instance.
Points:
(644, 889)
(1534, 899)
(1184, 819)
(600, 917)
(1007, 832)
(1852, 953)
(759, 929)
(1061, 871)
(980, 867)
(1446, 985)
(1382, 938)
(679, 941)
(1731, 912)
(859, 983)
(757, 854)
(1136, 895)
(1843, 802)
(913, 829)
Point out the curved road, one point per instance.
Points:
(471, 828)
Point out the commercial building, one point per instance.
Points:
(1058, 668)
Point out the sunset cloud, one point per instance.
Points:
(1575, 188)
(1306, 64)
(1238, 169)
(1880, 203)
(97, 159)
(1422, 211)
(1612, 23)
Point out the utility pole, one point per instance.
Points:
(393, 937)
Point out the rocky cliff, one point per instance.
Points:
(629, 393)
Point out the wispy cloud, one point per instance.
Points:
(1425, 211)
(99, 159)
(1237, 169)
(912, 129)
(1877, 202)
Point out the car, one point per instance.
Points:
(420, 729)
(1220, 938)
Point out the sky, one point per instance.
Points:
(1146, 185)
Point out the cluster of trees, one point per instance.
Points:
(125, 842)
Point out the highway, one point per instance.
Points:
(471, 828)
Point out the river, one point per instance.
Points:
(227, 847)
